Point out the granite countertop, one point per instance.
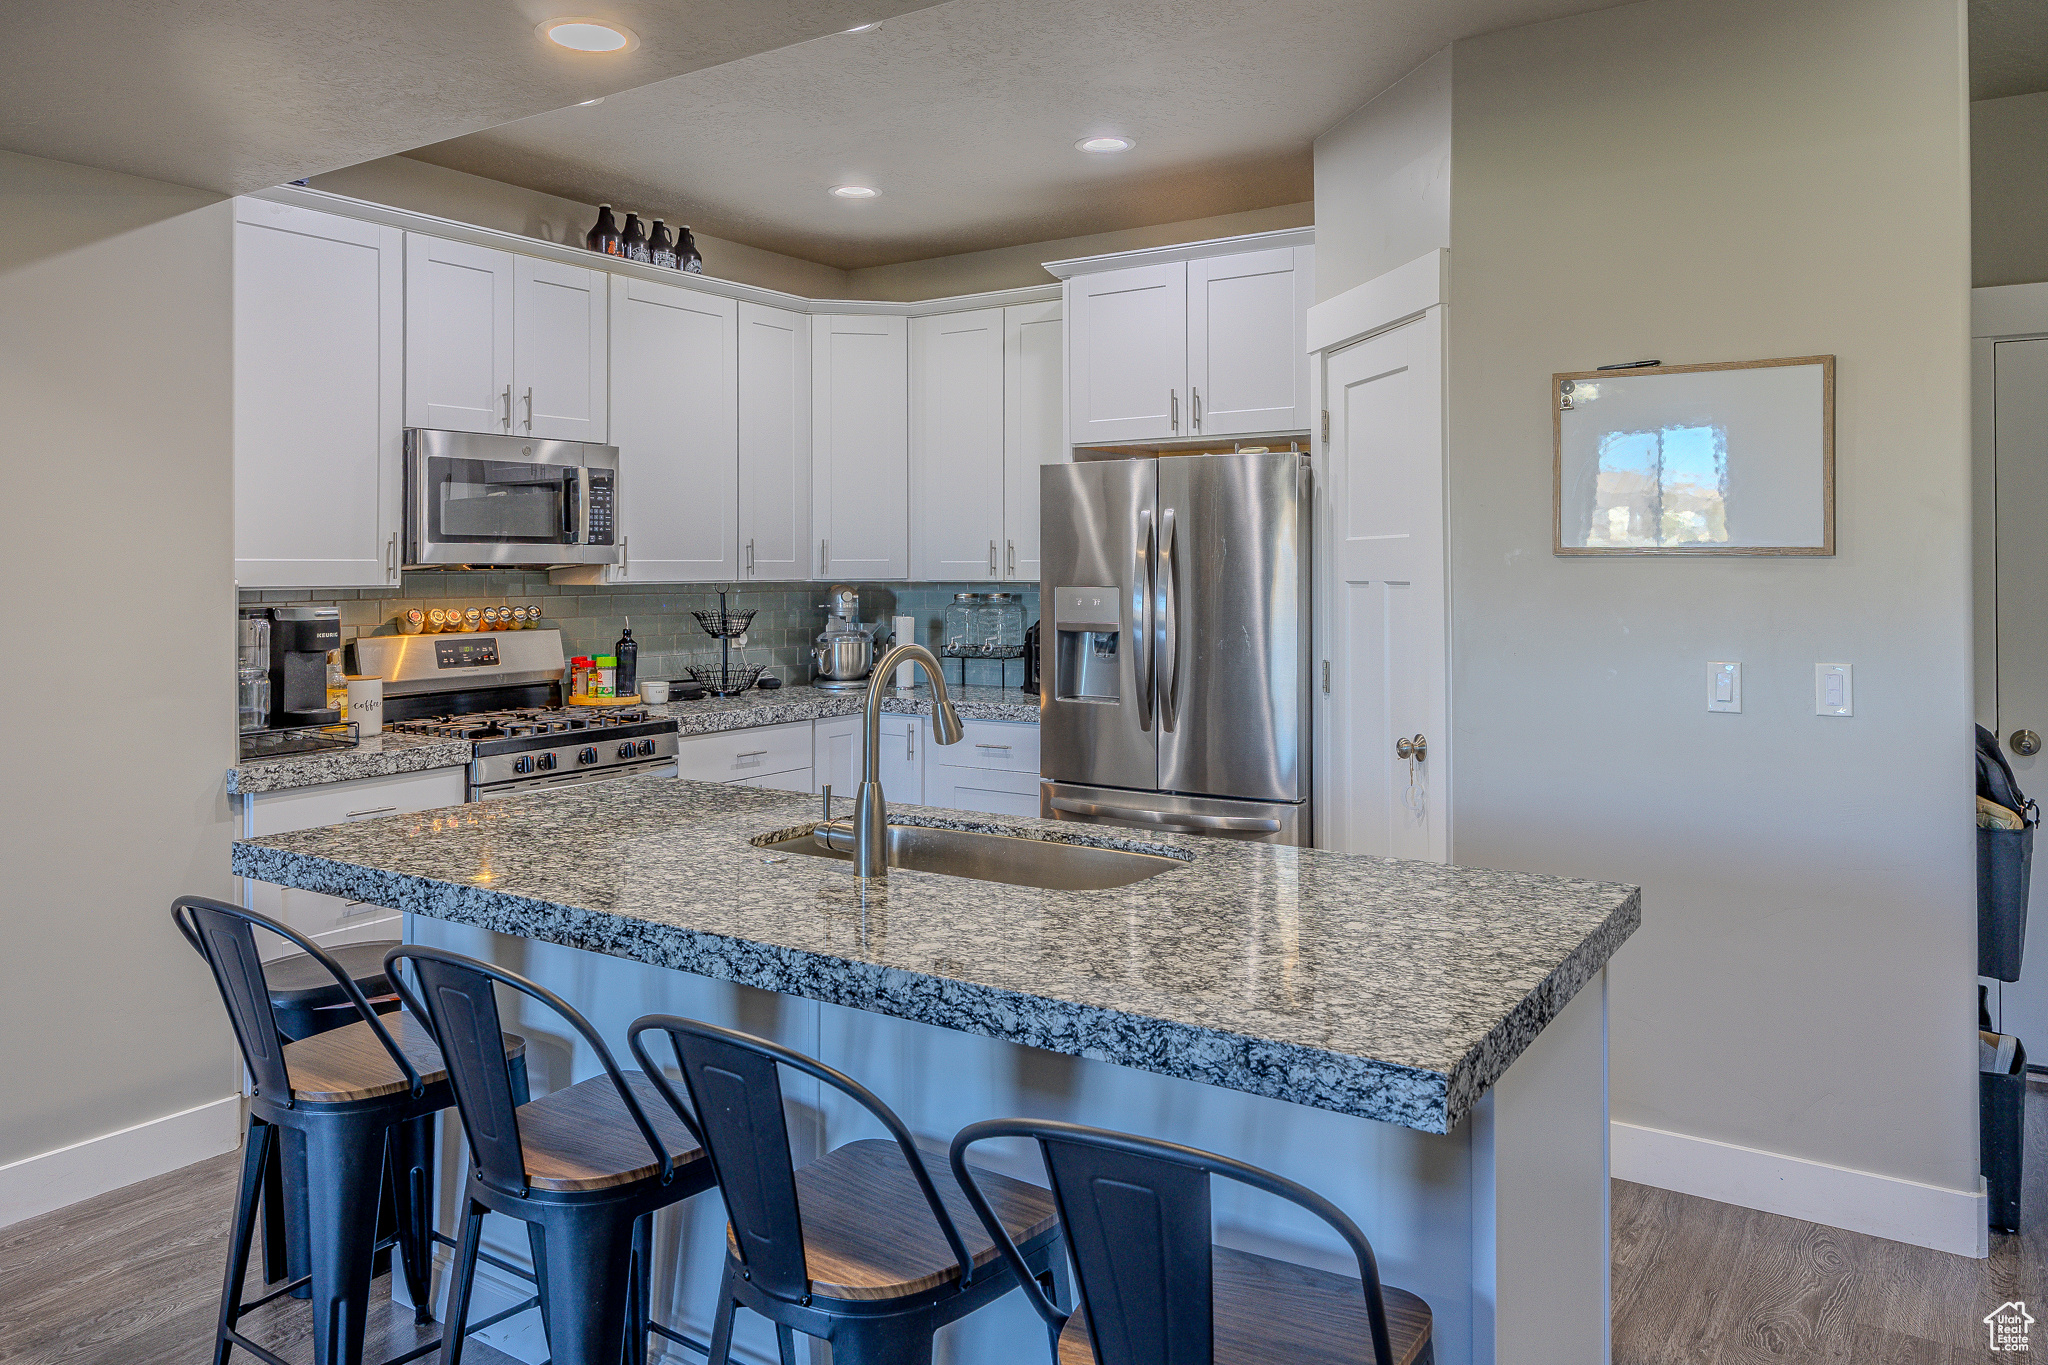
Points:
(398, 753)
(1391, 990)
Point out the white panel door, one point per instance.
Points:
(860, 448)
(775, 443)
(956, 446)
(319, 382)
(558, 351)
(458, 336)
(1248, 342)
(1386, 622)
(674, 405)
(1128, 354)
(1034, 432)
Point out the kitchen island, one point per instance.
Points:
(1424, 1044)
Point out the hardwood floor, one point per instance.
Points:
(1701, 1283)
(133, 1278)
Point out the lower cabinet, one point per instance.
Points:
(993, 769)
(903, 740)
(777, 756)
(329, 920)
(977, 789)
(836, 757)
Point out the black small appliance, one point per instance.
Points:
(1031, 659)
(300, 638)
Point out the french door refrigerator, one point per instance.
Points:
(1175, 683)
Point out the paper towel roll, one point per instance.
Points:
(906, 634)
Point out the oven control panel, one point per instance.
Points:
(466, 652)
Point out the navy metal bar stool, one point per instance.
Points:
(1153, 1289)
(863, 1247)
(343, 1091)
(585, 1168)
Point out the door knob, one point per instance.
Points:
(2025, 743)
(1416, 748)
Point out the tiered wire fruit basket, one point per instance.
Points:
(728, 679)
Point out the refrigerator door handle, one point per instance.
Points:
(1243, 824)
(1141, 617)
(1166, 650)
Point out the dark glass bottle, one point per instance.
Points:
(627, 652)
(633, 241)
(604, 234)
(687, 256)
(661, 248)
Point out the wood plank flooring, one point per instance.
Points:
(133, 1278)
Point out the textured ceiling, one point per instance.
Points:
(2008, 48)
(235, 95)
(965, 117)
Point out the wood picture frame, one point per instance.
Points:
(1810, 505)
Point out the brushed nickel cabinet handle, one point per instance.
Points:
(508, 407)
(1173, 409)
(1195, 407)
(991, 559)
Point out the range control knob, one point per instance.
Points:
(626, 750)
(586, 755)
(646, 748)
(523, 765)
(546, 763)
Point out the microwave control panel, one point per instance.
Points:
(601, 501)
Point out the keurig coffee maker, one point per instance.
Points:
(300, 638)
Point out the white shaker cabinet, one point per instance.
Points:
(836, 745)
(674, 418)
(318, 420)
(859, 447)
(1127, 354)
(899, 758)
(775, 443)
(1248, 342)
(956, 446)
(1033, 431)
(503, 344)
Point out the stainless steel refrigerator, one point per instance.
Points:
(1175, 671)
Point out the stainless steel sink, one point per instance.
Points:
(995, 858)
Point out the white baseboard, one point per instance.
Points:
(50, 1180)
(1907, 1211)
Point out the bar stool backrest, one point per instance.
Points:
(224, 935)
(459, 1003)
(736, 1092)
(1135, 1213)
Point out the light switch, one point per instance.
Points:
(1724, 687)
(1834, 692)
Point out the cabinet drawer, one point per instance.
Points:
(796, 780)
(977, 789)
(733, 755)
(999, 746)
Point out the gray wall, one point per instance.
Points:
(2009, 189)
(1383, 181)
(1716, 181)
(114, 373)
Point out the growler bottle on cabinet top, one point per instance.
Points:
(603, 236)
(687, 256)
(633, 241)
(661, 248)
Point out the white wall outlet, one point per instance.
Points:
(1724, 687)
(1834, 691)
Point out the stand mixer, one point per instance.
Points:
(844, 652)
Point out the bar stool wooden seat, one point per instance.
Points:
(868, 1247)
(342, 1092)
(1152, 1288)
(585, 1167)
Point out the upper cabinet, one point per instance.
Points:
(860, 446)
(956, 445)
(1032, 427)
(674, 418)
(775, 443)
(319, 373)
(1183, 350)
(503, 344)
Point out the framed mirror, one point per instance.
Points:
(1726, 459)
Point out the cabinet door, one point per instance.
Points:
(1034, 433)
(458, 336)
(899, 759)
(1248, 342)
(860, 446)
(775, 443)
(1127, 354)
(558, 351)
(992, 793)
(675, 421)
(836, 758)
(956, 446)
(319, 382)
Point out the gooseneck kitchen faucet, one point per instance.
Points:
(869, 837)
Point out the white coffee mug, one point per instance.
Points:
(366, 706)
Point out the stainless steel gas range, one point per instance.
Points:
(501, 690)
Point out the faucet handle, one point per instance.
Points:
(827, 816)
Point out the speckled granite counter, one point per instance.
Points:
(1390, 990)
(411, 754)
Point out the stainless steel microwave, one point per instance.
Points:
(473, 499)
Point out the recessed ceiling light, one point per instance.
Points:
(1105, 144)
(855, 191)
(588, 35)
(862, 28)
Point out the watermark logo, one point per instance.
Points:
(2007, 1325)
